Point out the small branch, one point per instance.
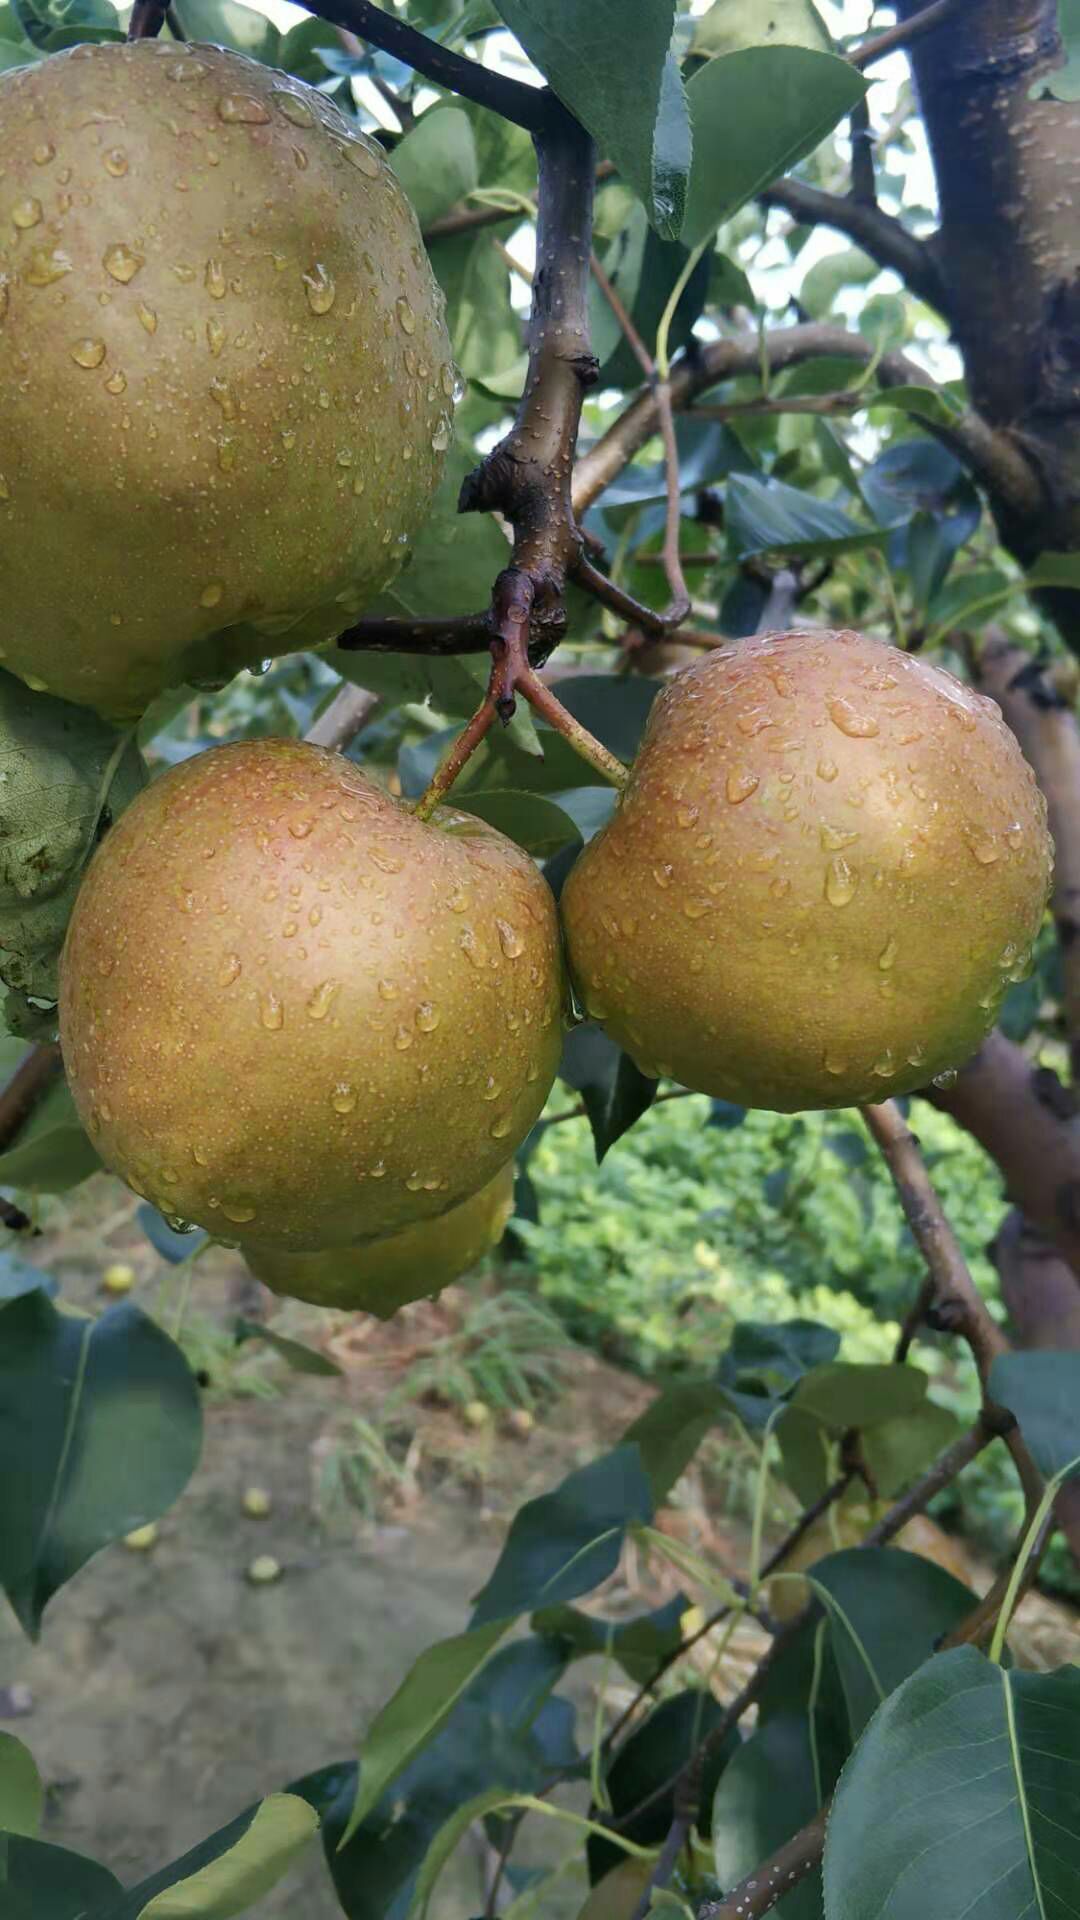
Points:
(904, 32)
(526, 106)
(913, 1320)
(863, 185)
(679, 604)
(350, 709)
(544, 702)
(464, 633)
(990, 455)
(616, 600)
(615, 301)
(943, 1471)
(881, 235)
(762, 1889)
(27, 1086)
(466, 219)
(842, 402)
(147, 19)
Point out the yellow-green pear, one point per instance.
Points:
(830, 861)
(386, 1274)
(297, 1015)
(225, 382)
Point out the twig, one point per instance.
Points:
(617, 600)
(941, 1473)
(863, 187)
(913, 1320)
(989, 453)
(881, 235)
(679, 605)
(550, 708)
(904, 32)
(462, 633)
(840, 402)
(350, 709)
(27, 1086)
(761, 1890)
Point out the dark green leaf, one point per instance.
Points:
(608, 62)
(18, 1277)
(227, 1873)
(614, 709)
(1043, 1391)
(753, 114)
(116, 1426)
(770, 517)
(225, 23)
(52, 1152)
(590, 808)
(726, 1115)
(300, 1358)
(436, 162)
(484, 329)
(898, 1606)
(765, 1360)
(961, 1799)
(40, 1882)
(566, 1542)
(638, 1645)
(671, 1430)
(773, 1784)
(643, 269)
(653, 1755)
(899, 1450)
(842, 1395)
(531, 819)
(614, 1091)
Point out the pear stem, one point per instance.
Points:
(550, 708)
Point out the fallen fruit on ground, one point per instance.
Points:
(386, 1274)
(297, 1015)
(225, 382)
(830, 862)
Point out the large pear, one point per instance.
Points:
(295, 1014)
(830, 861)
(225, 382)
(386, 1274)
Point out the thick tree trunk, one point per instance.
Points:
(1007, 160)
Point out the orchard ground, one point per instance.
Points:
(169, 1690)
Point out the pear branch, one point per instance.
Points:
(26, 1088)
(886, 239)
(904, 32)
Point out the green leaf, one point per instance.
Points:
(899, 1450)
(18, 1277)
(771, 517)
(1043, 1391)
(773, 1784)
(614, 708)
(225, 23)
(430, 1690)
(568, 1541)
(614, 1091)
(229, 1872)
(1055, 570)
(531, 819)
(41, 1882)
(21, 1793)
(655, 1752)
(935, 405)
(961, 1799)
(731, 24)
(436, 162)
(1063, 83)
(897, 1606)
(643, 270)
(608, 62)
(638, 1645)
(841, 1395)
(52, 1152)
(753, 114)
(485, 331)
(300, 1358)
(670, 1431)
(116, 1426)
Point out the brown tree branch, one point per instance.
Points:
(1044, 722)
(459, 633)
(879, 234)
(991, 456)
(905, 32)
(1043, 1303)
(762, 1889)
(350, 709)
(27, 1086)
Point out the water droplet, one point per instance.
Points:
(180, 71)
(983, 845)
(458, 901)
(212, 594)
(47, 265)
(44, 153)
(214, 280)
(116, 162)
(301, 827)
(358, 485)
(26, 214)
(696, 909)
(147, 317)
(414, 1182)
(238, 1211)
(946, 1079)
(88, 353)
(509, 940)
(121, 263)
(215, 337)
(753, 720)
(320, 1002)
(827, 770)
(272, 1013)
(887, 956)
(116, 383)
(840, 882)
(885, 1064)
(857, 726)
(403, 1040)
(500, 1128)
(5, 490)
(387, 990)
(230, 970)
(320, 288)
(405, 314)
(242, 109)
(447, 381)
(293, 107)
(833, 1062)
(427, 1016)
(833, 838)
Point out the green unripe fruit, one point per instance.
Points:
(225, 382)
(830, 861)
(64, 776)
(387, 1274)
(298, 1015)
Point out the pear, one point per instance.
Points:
(829, 863)
(225, 381)
(64, 777)
(386, 1274)
(295, 1014)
